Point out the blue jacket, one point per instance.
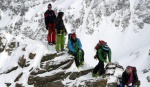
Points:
(72, 45)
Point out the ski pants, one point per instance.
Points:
(79, 57)
(51, 37)
(99, 67)
(60, 41)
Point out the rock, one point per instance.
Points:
(112, 85)
(22, 61)
(147, 20)
(148, 78)
(18, 77)
(1, 49)
(30, 80)
(50, 57)
(145, 71)
(38, 72)
(12, 69)
(55, 84)
(8, 84)
(31, 55)
(53, 67)
(75, 75)
(100, 83)
(9, 51)
(24, 49)
(97, 83)
(12, 45)
(138, 83)
(140, 25)
(68, 65)
(18, 85)
(57, 76)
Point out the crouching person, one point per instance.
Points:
(75, 48)
(129, 77)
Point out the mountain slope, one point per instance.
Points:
(122, 23)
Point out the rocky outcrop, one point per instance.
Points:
(22, 61)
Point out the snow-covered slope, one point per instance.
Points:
(124, 24)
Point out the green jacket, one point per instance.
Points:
(103, 55)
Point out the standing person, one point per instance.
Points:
(103, 51)
(61, 30)
(75, 48)
(50, 19)
(129, 77)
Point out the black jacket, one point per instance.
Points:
(125, 77)
(50, 17)
(60, 25)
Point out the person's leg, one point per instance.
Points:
(50, 30)
(95, 70)
(101, 66)
(58, 42)
(62, 41)
(54, 33)
(76, 60)
(82, 56)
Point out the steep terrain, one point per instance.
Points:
(124, 24)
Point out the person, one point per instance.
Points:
(129, 77)
(103, 51)
(61, 31)
(50, 24)
(75, 48)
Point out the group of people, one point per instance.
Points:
(55, 26)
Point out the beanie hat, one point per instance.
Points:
(60, 14)
(49, 5)
(105, 47)
(73, 35)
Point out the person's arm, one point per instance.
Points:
(109, 55)
(70, 47)
(45, 18)
(100, 55)
(80, 45)
(123, 78)
(54, 16)
(135, 78)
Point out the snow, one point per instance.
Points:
(128, 47)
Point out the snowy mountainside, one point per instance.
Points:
(124, 24)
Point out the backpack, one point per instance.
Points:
(69, 36)
(100, 44)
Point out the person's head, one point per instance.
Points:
(73, 36)
(128, 70)
(49, 6)
(60, 14)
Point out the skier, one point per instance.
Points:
(103, 51)
(129, 77)
(75, 48)
(61, 31)
(50, 19)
